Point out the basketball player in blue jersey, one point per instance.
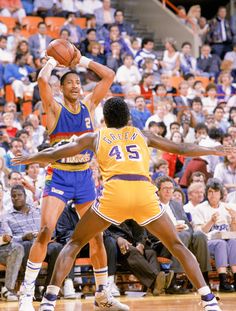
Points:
(70, 178)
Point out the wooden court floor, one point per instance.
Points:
(188, 302)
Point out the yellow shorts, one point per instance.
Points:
(122, 199)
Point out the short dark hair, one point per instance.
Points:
(90, 30)
(141, 96)
(12, 172)
(218, 107)
(18, 187)
(3, 37)
(196, 174)
(215, 184)
(27, 123)
(67, 30)
(16, 139)
(163, 126)
(41, 23)
(174, 123)
(145, 41)
(186, 43)
(20, 132)
(216, 133)
(63, 77)
(116, 112)
(160, 180)
(118, 10)
(196, 99)
(152, 123)
(201, 126)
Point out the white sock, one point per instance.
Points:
(203, 291)
(101, 276)
(31, 273)
(111, 279)
(50, 298)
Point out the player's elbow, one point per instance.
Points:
(110, 74)
(42, 80)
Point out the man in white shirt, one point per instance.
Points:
(195, 241)
(196, 192)
(5, 55)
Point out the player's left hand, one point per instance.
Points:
(20, 159)
(225, 150)
(76, 58)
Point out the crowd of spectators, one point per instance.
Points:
(177, 96)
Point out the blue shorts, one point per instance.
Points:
(65, 185)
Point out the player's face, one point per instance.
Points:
(71, 87)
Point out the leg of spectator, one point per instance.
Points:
(111, 250)
(152, 259)
(27, 247)
(200, 249)
(18, 88)
(5, 13)
(53, 251)
(19, 14)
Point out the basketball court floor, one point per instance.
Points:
(188, 302)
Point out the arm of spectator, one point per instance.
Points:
(232, 214)
(123, 245)
(185, 148)
(208, 225)
(8, 74)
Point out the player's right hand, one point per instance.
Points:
(20, 159)
(76, 58)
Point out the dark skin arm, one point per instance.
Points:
(88, 141)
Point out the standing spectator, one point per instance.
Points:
(170, 63)
(139, 114)
(39, 42)
(146, 52)
(128, 74)
(203, 29)
(11, 255)
(208, 64)
(220, 33)
(188, 63)
(105, 14)
(76, 33)
(213, 214)
(181, 14)
(124, 27)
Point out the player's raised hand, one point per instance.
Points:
(20, 159)
(76, 59)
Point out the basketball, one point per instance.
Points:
(62, 50)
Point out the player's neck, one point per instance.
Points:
(72, 105)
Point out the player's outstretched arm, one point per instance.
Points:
(86, 141)
(186, 149)
(106, 74)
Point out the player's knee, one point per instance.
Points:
(96, 241)
(44, 235)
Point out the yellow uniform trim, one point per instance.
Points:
(67, 167)
(56, 120)
(73, 112)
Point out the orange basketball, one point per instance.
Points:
(62, 51)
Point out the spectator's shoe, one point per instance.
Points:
(209, 303)
(113, 289)
(159, 284)
(105, 302)
(68, 289)
(7, 295)
(26, 299)
(225, 287)
(169, 278)
(48, 303)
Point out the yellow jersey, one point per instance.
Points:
(122, 151)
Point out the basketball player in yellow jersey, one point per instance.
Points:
(123, 156)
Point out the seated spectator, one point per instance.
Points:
(139, 114)
(175, 162)
(182, 99)
(208, 64)
(3, 29)
(76, 33)
(17, 75)
(188, 63)
(32, 143)
(232, 116)
(89, 6)
(149, 67)
(11, 107)
(196, 241)
(146, 87)
(145, 52)
(224, 88)
(198, 90)
(128, 74)
(125, 28)
(23, 49)
(95, 53)
(210, 101)
(105, 14)
(33, 177)
(12, 8)
(196, 194)
(23, 225)
(231, 56)
(39, 42)
(220, 120)
(160, 92)
(38, 130)
(8, 120)
(11, 255)
(15, 148)
(215, 215)
(170, 62)
(187, 121)
(64, 34)
(115, 36)
(220, 40)
(4, 140)
(134, 46)
(101, 31)
(90, 38)
(6, 56)
(197, 110)
(174, 127)
(126, 244)
(28, 6)
(3, 174)
(114, 58)
(14, 38)
(232, 132)
(226, 172)
(165, 79)
(179, 196)
(23, 135)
